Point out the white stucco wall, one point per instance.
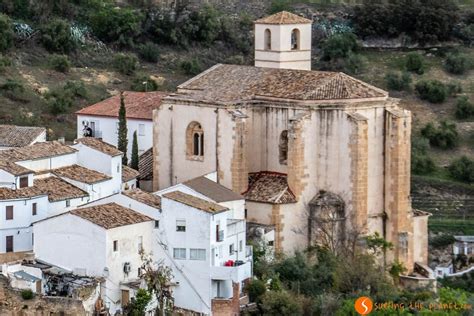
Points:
(108, 128)
(49, 163)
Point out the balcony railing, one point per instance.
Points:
(236, 273)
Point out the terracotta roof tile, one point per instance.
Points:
(99, 145)
(18, 136)
(14, 168)
(144, 197)
(80, 174)
(195, 202)
(283, 17)
(212, 190)
(11, 194)
(58, 189)
(36, 151)
(129, 173)
(269, 187)
(235, 83)
(110, 215)
(139, 105)
(145, 165)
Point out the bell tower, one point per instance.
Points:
(283, 40)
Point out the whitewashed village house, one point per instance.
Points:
(49, 178)
(100, 120)
(12, 136)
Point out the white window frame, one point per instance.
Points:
(141, 129)
(181, 223)
(179, 253)
(197, 254)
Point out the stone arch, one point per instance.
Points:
(327, 221)
(267, 39)
(295, 39)
(194, 140)
(283, 147)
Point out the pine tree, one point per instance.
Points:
(122, 130)
(134, 162)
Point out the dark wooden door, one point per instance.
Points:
(9, 244)
(125, 297)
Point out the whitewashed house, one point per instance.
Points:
(12, 136)
(100, 241)
(100, 120)
(50, 178)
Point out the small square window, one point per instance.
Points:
(179, 253)
(157, 224)
(180, 225)
(34, 208)
(231, 249)
(115, 245)
(68, 203)
(197, 254)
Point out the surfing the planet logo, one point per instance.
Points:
(363, 305)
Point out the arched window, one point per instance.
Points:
(295, 39)
(268, 40)
(283, 146)
(194, 140)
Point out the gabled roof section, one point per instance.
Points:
(145, 165)
(212, 190)
(269, 187)
(58, 189)
(80, 174)
(239, 84)
(138, 105)
(144, 197)
(13, 194)
(99, 145)
(129, 173)
(195, 202)
(283, 17)
(36, 151)
(18, 136)
(13, 168)
(110, 215)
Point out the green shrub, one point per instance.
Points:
(445, 136)
(56, 36)
(4, 63)
(27, 294)
(462, 169)
(441, 241)
(453, 88)
(397, 81)
(6, 33)
(149, 52)
(280, 303)
(339, 46)
(119, 25)
(125, 63)
(191, 67)
(143, 84)
(464, 108)
(76, 88)
(60, 63)
(414, 63)
(13, 86)
(255, 290)
(456, 64)
(433, 91)
(421, 161)
(202, 26)
(279, 5)
(354, 64)
(61, 99)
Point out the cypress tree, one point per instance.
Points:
(134, 162)
(122, 130)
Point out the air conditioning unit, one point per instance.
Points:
(127, 268)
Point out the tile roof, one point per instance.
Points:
(212, 190)
(138, 105)
(36, 151)
(110, 215)
(283, 17)
(99, 145)
(195, 202)
(18, 136)
(145, 165)
(80, 174)
(13, 168)
(236, 83)
(144, 197)
(58, 189)
(129, 173)
(269, 187)
(11, 194)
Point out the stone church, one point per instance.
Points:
(320, 155)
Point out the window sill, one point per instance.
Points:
(195, 158)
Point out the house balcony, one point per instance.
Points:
(236, 273)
